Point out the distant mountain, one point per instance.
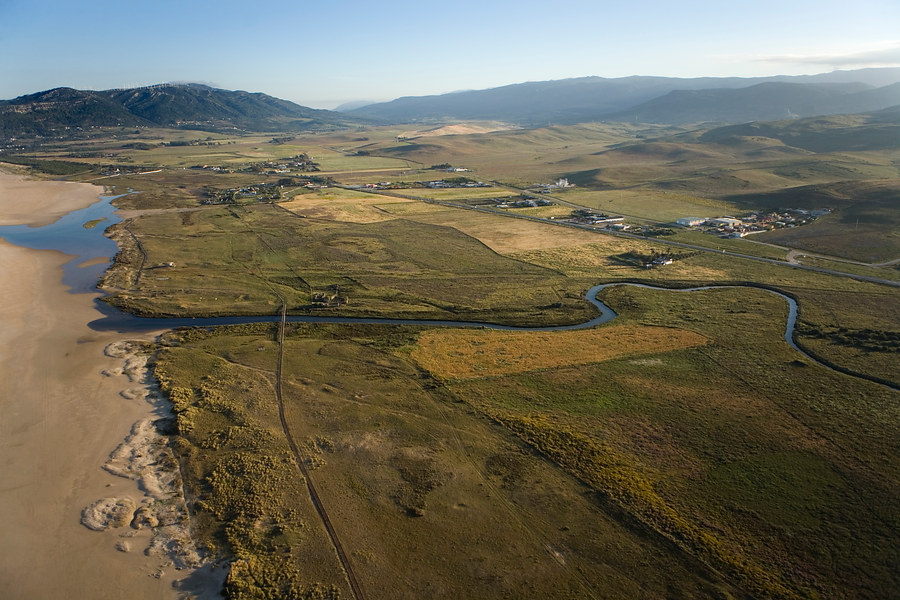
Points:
(596, 98)
(54, 111)
(190, 106)
(762, 102)
(348, 106)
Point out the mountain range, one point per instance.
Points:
(189, 106)
(653, 99)
(665, 100)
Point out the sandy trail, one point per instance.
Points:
(60, 420)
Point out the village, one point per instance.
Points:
(301, 163)
(753, 223)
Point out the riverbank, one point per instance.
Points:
(62, 417)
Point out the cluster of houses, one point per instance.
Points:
(461, 182)
(449, 168)
(300, 163)
(439, 184)
(753, 223)
(259, 192)
(213, 168)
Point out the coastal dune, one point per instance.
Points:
(63, 413)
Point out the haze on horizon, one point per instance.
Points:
(327, 54)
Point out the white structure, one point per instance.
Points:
(726, 221)
(690, 221)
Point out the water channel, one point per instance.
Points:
(93, 253)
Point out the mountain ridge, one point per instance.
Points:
(649, 99)
(188, 106)
(583, 99)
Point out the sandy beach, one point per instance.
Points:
(66, 404)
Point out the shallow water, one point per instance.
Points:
(69, 236)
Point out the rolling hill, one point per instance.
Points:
(837, 133)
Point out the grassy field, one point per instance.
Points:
(664, 207)
(742, 452)
(458, 354)
(683, 450)
(744, 456)
(241, 259)
(399, 463)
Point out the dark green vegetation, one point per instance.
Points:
(65, 111)
(733, 468)
(51, 167)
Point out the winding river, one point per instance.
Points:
(94, 252)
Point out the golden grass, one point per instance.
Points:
(468, 354)
(505, 235)
(338, 205)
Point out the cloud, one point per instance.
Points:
(885, 55)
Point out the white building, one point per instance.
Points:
(726, 221)
(690, 221)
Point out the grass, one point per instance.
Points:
(748, 246)
(458, 354)
(886, 272)
(239, 257)
(247, 500)
(396, 462)
(750, 476)
(874, 241)
(686, 450)
(651, 205)
(93, 223)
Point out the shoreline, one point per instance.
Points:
(67, 402)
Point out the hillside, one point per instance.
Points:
(836, 133)
(189, 106)
(652, 99)
(762, 102)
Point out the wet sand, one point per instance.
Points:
(25, 201)
(61, 418)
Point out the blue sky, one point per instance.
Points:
(324, 53)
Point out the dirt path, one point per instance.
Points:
(301, 465)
